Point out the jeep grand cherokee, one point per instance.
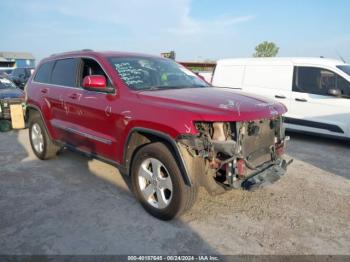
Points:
(157, 122)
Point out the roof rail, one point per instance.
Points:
(83, 50)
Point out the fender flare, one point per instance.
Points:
(172, 143)
(37, 109)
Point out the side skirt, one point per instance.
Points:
(120, 167)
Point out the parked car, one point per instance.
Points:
(5, 75)
(157, 122)
(20, 76)
(9, 94)
(316, 91)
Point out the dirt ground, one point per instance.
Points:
(75, 205)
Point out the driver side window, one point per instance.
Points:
(91, 67)
(318, 81)
(344, 86)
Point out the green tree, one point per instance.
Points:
(266, 49)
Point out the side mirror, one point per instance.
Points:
(95, 82)
(334, 92)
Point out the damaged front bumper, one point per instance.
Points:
(237, 154)
(265, 176)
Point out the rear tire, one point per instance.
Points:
(158, 184)
(42, 145)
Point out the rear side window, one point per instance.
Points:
(44, 72)
(64, 72)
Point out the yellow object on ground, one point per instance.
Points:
(17, 116)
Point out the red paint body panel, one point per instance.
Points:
(111, 117)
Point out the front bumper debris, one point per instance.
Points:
(268, 176)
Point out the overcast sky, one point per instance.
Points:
(196, 30)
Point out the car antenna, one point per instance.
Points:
(341, 58)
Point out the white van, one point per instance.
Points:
(316, 91)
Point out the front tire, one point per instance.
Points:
(42, 145)
(158, 184)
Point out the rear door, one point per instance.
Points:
(63, 80)
(313, 109)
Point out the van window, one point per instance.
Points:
(345, 68)
(64, 72)
(343, 85)
(318, 81)
(44, 72)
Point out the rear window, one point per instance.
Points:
(43, 74)
(64, 72)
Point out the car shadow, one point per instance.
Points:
(329, 154)
(76, 205)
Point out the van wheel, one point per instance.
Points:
(157, 182)
(42, 145)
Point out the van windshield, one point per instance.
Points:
(345, 68)
(152, 73)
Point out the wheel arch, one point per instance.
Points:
(139, 137)
(32, 109)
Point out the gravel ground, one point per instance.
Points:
(75, 205)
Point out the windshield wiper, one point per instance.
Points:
(154, 88)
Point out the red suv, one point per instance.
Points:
(157, 122)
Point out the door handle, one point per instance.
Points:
(73, 96)
(44, 90)
(300, 99)
(280, 96)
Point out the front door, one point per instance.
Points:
(93, 121)
(313, 109)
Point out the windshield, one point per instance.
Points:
(345, 68)
(5, 83)
(145, 73)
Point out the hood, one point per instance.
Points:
(216, 104)
(11, 93)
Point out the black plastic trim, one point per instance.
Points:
(167, 138)
(121, 168)
(314, 124)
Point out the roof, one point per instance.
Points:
(282, 61)
(16, 55)
(87, 52)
